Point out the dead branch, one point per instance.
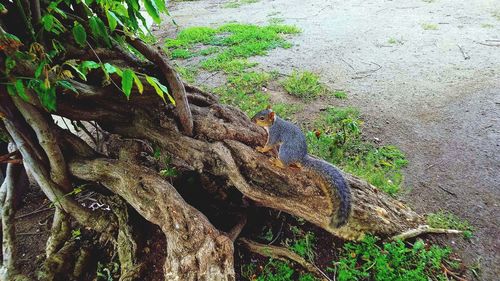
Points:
(280, 253)
(236, 230)
(423, 229)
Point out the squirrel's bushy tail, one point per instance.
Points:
(337, 182)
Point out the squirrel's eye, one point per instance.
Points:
(261, 118)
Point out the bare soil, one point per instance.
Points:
(433, 93)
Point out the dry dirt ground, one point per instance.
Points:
(435, 93)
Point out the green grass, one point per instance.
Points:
(238, 3)
(274, 270)
(302, 244)
(187, 73)
(340, 95)
(340, 143)
(304, 84)
(449, 221)
(392, 261)
(230, 45)
(429, 26)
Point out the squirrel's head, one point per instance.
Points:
(264, 118)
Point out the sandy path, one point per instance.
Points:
(419, 93)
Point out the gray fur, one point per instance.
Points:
(293, 149)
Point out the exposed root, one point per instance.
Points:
(279, 253)
(59, 233)
(125, 244)
(236, 230)
(8, 268)
(423, 229)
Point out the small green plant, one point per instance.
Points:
(428, 1)
(304, 246)
(268, 235)
(238, 3)
(390, 261)
(248, 271)
(448, 220)
(340, 95)
(487, 25)
(337, 139)
(429, 26)
(76, 234)
(167, 170)
(304, 84)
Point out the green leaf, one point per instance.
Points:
(11, 90)
(78, 72)
(10, 63)
(79, 34)
(138, 83)
(165, 90)
(39, 69)
(67, 85)
(48, 98)
(127, 80)
(20, 90)
(99, 30)
(152, 10)
(87, 65)
(112, 20)
(160, 4)
(109, 68)
(152, 82)
(52, 24)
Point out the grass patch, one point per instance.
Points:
(340, 95)
(429, 26)
(448, 220)
(487, 25)
(238, 3)
(372, 260)
(304, 84)
(276, 270)
(340, 143)
(187, 73)
(230, 45)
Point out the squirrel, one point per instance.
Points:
(293, 151)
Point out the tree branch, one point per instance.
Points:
(175, 84)
(47, 140)
(423, 229)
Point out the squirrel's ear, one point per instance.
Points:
(271, 115)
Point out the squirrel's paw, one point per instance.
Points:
(260, 149)
(277, 162)
(263, 149)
